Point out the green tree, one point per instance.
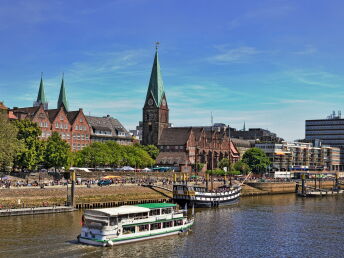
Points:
(256, 159)
(9, 144)
(57, 153)
(152, 150)
(225, 163)
(32, 153)
(116, 153)
(242, 167)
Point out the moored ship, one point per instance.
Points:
(130, 223)
(200, 197)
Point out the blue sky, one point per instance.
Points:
(270, 63)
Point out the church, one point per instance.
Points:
(181, 147)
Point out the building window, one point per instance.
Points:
(61, 126)
(76, 127)
(68, 136)
(81, 120)
(78, 136)
(79, 146)
(66, 126)
(43, 134)
(86, 136)
(82, 137)
(57, 125)
(74, 136)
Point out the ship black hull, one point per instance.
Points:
(206, 204)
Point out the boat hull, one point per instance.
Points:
(207, 204)
(119, 241)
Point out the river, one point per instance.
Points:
(264, 226)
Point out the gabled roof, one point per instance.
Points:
(52, 113)
(101, 128)
(29, 111)
(106, 122)
(156, 85)
(2, 105)
(175, 136)
(72, 115)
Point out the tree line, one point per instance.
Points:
(21, 148)
(254, 160)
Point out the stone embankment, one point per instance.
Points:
(22, 197)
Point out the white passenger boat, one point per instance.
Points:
(112, 226)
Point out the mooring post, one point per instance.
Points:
(72, 189)
(315, 181)
(337, 183)
(303, 184)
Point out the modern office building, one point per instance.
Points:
(329, 131)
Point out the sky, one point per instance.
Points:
(269, 63)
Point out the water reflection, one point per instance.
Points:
(270, 226)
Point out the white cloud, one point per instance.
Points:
(234, 55)
(309, 50)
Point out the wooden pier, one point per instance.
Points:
(34, 211)
(316, 190)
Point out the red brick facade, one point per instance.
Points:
(72, 126)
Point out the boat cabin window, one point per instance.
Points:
(155, 226)
(122, 217)
(167, 224)
(141, 215)
(178, 222)
(154, 212)
(95, 224)
(128, 230)
(113, 221)
(143, 228)
(166, 211)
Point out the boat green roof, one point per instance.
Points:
(156, 205)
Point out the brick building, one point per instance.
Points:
(181, 147)
(71, 125)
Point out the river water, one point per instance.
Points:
(265, 226)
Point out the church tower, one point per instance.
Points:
(155, 109)
(62, 97)
(41, 99)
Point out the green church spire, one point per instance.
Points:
(62, 97)
(41, 99)
(156, 85)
